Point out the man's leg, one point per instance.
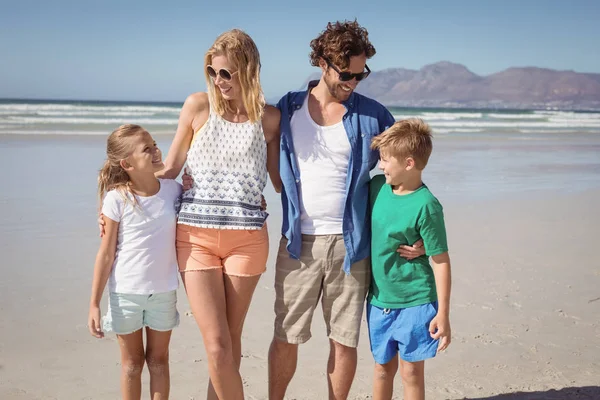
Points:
(283, 358)
(297, 291)
(341, 368)
(343, 305)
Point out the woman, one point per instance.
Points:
(230, 140)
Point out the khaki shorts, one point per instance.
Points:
(319, 274)
(237, 252)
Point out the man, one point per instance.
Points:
(326, 133)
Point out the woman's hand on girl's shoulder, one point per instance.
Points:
(101, 224)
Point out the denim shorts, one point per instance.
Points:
(401, 330)
(128, 313)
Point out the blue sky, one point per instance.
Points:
(153, 50)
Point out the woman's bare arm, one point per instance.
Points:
(270, 121)
(193, 116)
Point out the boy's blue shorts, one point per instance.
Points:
(401, 330)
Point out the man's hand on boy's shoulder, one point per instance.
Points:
(439, 329)
(411, 252)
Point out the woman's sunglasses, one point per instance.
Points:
(223, 73)
(346, 76)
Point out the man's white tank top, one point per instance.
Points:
(228, 165)
(322, 154)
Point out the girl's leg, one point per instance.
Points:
(413, 379)
(206, 294)
(238, 295)
(157, 359)
(383, 379)
(132, 363)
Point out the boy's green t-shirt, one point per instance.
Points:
(402, 220)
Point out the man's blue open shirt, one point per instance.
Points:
(364, 119)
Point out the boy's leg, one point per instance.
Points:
(415, 345)
(383, 379)
(132, 363)
(157, 359)
(413, 379)
(382, 325)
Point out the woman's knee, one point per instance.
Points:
(219, 350)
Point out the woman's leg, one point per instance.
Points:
(206, 294)
(157, 359)
(132, 363)
(238, 295)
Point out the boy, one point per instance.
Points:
(408, 303)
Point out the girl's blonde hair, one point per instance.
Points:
(118, 147)
(242, 52)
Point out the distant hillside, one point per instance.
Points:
(446, 84)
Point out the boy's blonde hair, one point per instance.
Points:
(118, 147)
(242, 52)
(406, 138)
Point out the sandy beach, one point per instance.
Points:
(526, 279)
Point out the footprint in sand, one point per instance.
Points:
(484, 338)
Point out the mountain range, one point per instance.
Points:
(447, 84)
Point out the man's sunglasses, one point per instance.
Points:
(346, 76)
(223, 73)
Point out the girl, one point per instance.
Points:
(230, 140)
(137, 256)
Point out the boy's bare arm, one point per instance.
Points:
(440, 326)
(443, 281)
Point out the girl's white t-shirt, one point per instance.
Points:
(145, 261)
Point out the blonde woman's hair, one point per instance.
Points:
(407, 138)
(118, 147)
(242, 52)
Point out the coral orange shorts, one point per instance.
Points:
(237, 252)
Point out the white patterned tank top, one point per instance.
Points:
(228, 165)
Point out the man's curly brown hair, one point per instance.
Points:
(339, 42)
